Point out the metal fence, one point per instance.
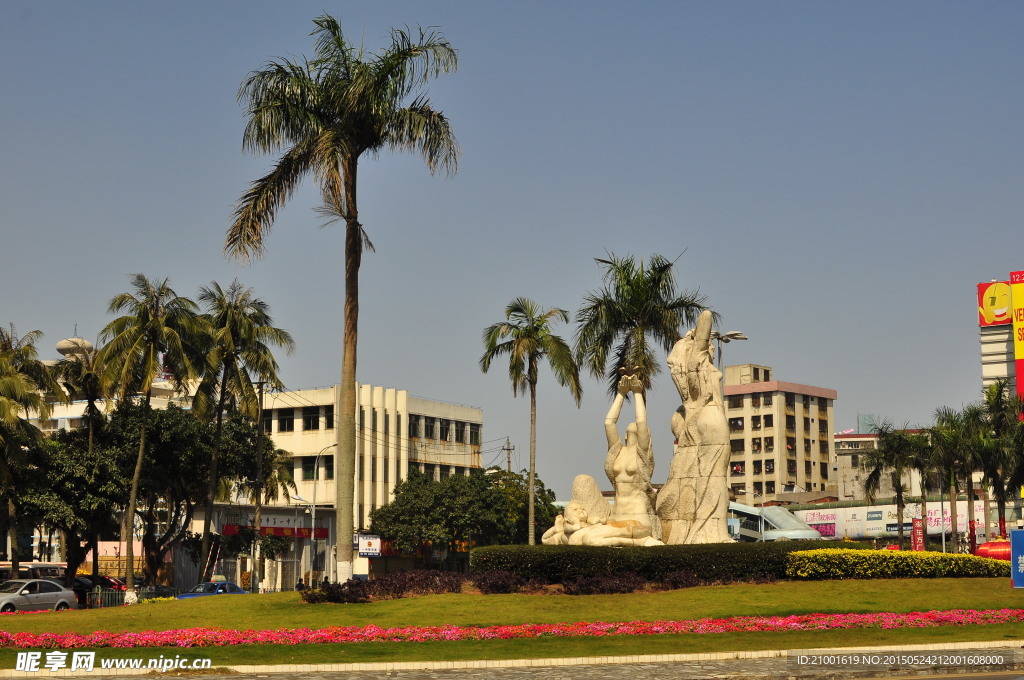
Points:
(115, 598)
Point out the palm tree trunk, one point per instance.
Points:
(211, 490)
(12, 534)
(971, 526)
(130, 596)
(900, 505)
(924, 515)
(345, 464)
(531, 521)
(954, 534)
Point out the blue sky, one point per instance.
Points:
(836, 177)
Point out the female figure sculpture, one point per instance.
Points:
(628, 466)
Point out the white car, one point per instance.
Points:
(35, 594)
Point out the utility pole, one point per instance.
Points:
(508, 449)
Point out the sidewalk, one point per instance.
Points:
(897, 660)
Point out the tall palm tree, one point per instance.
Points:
(84, 376)
(526, 337)
(896, 454)
(963, 440)
(242, 335)
(1002, 411)
(637, 308)
(160, 334)
(323, 115)
(24, 383)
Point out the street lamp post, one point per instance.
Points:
(726, 337)
(312, 531)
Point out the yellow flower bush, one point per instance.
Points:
(838, 563)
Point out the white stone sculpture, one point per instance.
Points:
(694, 503)
(629, 466)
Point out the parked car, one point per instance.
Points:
(81, 587)
(35, 594)
(213, 588)
(107, 582)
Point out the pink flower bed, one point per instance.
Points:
(215, 637)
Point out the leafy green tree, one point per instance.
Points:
(24, 383)
(526, 338)
(79, 488)
(323, 115)
(242, 337)
(159, 334)
(637, 309)
(483, 508)
(897, 452)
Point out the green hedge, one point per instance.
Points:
(838, 563)
(711, 562)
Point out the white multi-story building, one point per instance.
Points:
(781, 435)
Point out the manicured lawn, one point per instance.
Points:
(286, 610)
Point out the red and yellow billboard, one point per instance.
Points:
(1017, 296)
(994, 303)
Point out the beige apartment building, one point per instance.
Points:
(780, 435)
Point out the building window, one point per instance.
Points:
(373, 420)
(791, 443)
(474, 434)
(755, 400)
(735, 401)
(766, 398)
(790, 400)
(429, 424)
(755, 422)
(446, 426)
(329, 417)
(769, 443)
(328, 466)
(736, 424)
(769, 487)
(738, 490)
(758, 488)
(460, 433)
(285, 420)
(790, 423)
(310, 417)
(755, 444)
(309, 471)
(737, 446)
(767, 374)
(824, 471)
(855, 460)
(769, 467)
(823, 447)
(362, 418)
(265, 421)
(807, 424)
(738, 468)
(757, 374)
(769, 420)
(791, 467)
(807, 468)
(414, 425)
(757, 467)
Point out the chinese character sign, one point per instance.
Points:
(1017, 557)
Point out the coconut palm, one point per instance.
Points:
(896, 454)
(84, 376)
(1002, 411)
(526, 338)
(962, 440)
(160, 334)
(25, 383)
(242, 336)
(323, 115)
(637, 308)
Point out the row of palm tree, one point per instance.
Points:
(985, 437)
(620, 326)
(218, 353)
